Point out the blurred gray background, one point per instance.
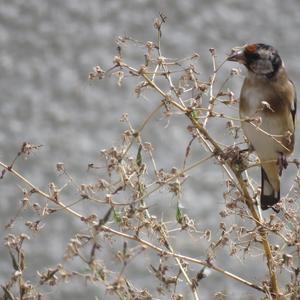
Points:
(47, 49)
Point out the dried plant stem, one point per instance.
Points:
(181, 173)
(218, 153)
(150, 116)
(215, 151)
(39, 191)
(161, 251)
(249, 202)
(264, 235)
(167, 73)
(179, 262)
(146, 121)
(212, 98)
(183, 257)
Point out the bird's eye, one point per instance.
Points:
(252, 56)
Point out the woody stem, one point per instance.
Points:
(217, 150)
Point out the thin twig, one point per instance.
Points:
(212, 98)
(105, 228)
(183, 257)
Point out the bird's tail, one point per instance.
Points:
(268, 196)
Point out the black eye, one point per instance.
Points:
(252, 57)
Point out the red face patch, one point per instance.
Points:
(251, 48)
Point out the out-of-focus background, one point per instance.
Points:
(47, 49)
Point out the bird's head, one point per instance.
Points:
(260, 59)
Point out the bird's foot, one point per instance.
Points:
(282, 162)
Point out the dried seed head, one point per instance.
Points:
(60, 167)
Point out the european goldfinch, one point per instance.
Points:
(267, 113)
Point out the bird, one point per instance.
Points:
(267, 109)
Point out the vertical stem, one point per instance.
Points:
(264, 235)
(212, 99)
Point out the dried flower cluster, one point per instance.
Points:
(127, 179)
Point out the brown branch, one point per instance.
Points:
(39, 191)
(249, 202)
(132, 237)
(264, 235)
(212, 98)
(161, 251)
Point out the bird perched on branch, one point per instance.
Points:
(267, 112)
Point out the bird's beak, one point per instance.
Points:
(237, 55)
